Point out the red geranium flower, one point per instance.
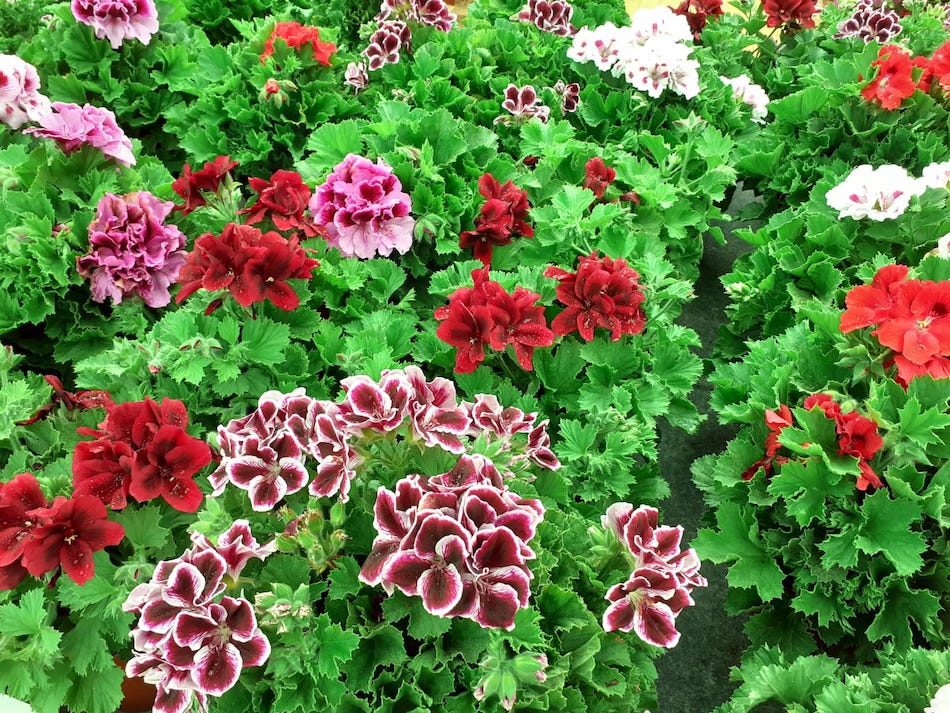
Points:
(85, 399)
(597, 176)
(869, 305)
(71, 531)
(296, 36)
(777, 421)
(192, 186)
(283, 199)
(894, 81)
(166, 468)
(697, 13)
(939, 66)
(603, 293)
(103, 468)
(794, 13)
(251, 265)
(918, 325)
(501, 219)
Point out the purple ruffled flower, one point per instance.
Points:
(118, 20)
(132, 251)
(20, 99)
(363, 208)
(73, 126)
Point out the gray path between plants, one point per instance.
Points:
(694, 676)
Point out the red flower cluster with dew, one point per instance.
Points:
(501, 219)
(857, 436)
(282, 200)
(894, 81)
(142, 450)
(597, 176)
(796, 14)
(37, 537)
(192, 187)
(83, 399)
(253, 266)
(297, 36)
(602, 293)
(697, 13)
(912, 318)
(486, 314)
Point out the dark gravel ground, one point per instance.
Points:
(694, 676)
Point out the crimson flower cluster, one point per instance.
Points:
(552, 16)
(297, 36)
(253, 266)
(899, 75)
(697, 14)
(486, 314)
(912, 319)
(191, 642)
(857, 437)
(144, 451)
(663, 576)
(459, 541)
(794, 14)
(38, 537)
(266, 452)
(502, 218)
(283, 200)
(602, 293)
(193, 187)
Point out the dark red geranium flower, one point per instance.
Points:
(73, 530)
(519, 321)
(894, 81)
(296, 36)
(597, 176)
(253, 266)
(501, 219)
(137, 422)
(166, 468)
(697, 13)
(283, 199)
(603, 293)
(192, 186)
(777, 421)
(103, 468)
(84, 399)
(20, 501)
(797, 14)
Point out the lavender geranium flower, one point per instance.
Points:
(363, 208)
(132, 251)
(73, 126)
(20, 99)
(118, 20)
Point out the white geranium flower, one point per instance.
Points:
(660, 22)
(881, 193)
(941, 700)
(937, 175)
(749, 94)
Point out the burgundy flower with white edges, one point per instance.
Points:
(385, 43)
(268, 470)
(237, 546)
(552, 16)
(436, 417)
(570, 95)
(380, 407)
(523, 104)
(647, 602)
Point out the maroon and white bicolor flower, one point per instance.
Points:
(237, 546)
(380, 407)
(523, 103)
(648, 603)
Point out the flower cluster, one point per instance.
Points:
(20, 98)
(282, 200)
(937, 175)
(793, 14)
(663, 576)
(459, 541)
(363, 209)
(871, 20)
(266, 452)
(552, 16)
(195, 187)
(485, 314)
(523, 104)
(697, 13)
(297, 36)
(118, 20)
(73, 126)
(253, 266)
(857, 437)
(602, 293)
(652, 54)
(385, 43)
(598, 176)
(570, 95)
(142, 450)
(502, 218)
(881, 193)
(191, 642)
(911, 318)
(38, 537)
(899, 75)
(752, 95)
(434, 13)
(132, 251)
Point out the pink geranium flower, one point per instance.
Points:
(20, 99)
(118, 20)
(73, 126)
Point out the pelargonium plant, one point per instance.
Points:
(20, 97)
(73, 126)
(118, 20)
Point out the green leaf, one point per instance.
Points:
(30, 618)
(330, 144)
(900, 605)
(85, 648)
(333, 646)
(265, 340)
(382, 647)
(798, 107)
(97, 691)
(422, 624)
(887, 529)
(806, 486)
(142, 526)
